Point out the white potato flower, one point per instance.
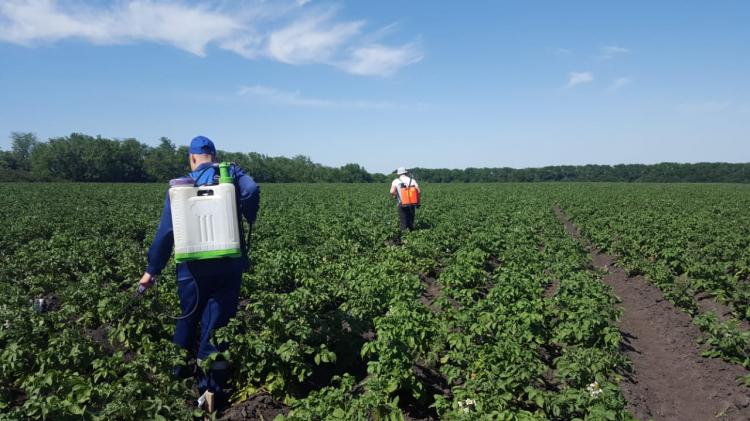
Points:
(594, 389)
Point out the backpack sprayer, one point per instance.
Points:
(409, 194)
(204, 218)
(204, 223)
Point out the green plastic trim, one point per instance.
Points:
(204, 255)
(224, 176)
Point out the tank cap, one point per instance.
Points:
(224, 176)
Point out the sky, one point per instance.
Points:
(437, 84)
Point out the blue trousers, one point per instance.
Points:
(217, 298)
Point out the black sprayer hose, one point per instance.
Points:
(195, 307)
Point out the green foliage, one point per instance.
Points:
(686, 239)
(725, 338)
(337, 319)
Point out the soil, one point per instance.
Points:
(431, 293)
(551, 289)
(17, 397)
(670, 380)
(262, 407)
(435, 384)
(100, 336)
(492, 264)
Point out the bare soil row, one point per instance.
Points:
(669, 380)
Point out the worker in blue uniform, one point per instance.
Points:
(214, 283)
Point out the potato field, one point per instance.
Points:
(497, 306)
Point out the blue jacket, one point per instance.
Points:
(248, 198)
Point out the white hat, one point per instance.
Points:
(401, 170)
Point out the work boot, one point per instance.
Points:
(215, 382)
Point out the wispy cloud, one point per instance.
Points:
(577, 78)
(312, 40)
(291, 32)
(377, 59)
(562, 51)
(612, 51)
(188, 28)
(618, 83)
(296, 99)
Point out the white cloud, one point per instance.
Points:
(561, 51)
(611, 51)
(619, 83)
(185, 27)
(296, 99)
(249, 46)
(281, 31)
(577, 78)
(313, 40)
(377, 59)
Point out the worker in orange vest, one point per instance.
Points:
(406, 190)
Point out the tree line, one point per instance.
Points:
(85, 158)
(665, 172)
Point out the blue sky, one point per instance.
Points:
(386, 83)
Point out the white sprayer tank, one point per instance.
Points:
(204, 219)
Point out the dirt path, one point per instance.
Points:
(259, 407)
(670, 380)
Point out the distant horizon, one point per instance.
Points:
(392, 171)
(388, 84)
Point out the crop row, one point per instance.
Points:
(692, 241)
(487, 309)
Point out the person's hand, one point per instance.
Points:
(146, 281)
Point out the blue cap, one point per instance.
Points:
(202, 145)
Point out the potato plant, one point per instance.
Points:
(341, 317)
(692, 241)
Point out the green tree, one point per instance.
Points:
(165, 161)
(132, 156)
(22, 145)
(353, 173)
